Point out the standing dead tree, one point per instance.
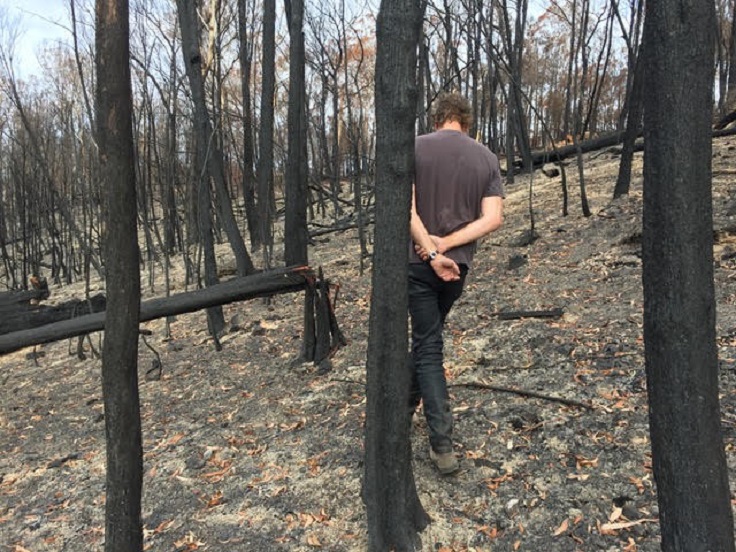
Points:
(124, 473)
(209, 148)
(680, 349)
(395, 514)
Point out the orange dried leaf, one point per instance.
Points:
(163, 526)
(175, 439)
(215, 500)
(638, 483)
(562, 528)
(490, 532)
(631, 546)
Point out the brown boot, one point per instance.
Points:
(446, 462)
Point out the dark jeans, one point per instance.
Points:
(430, 299)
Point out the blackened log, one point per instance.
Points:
(24, 316)
(724, 121)
(724, 132)
(539, 158)
(10, 300)
(347, 223)
(262, 284)
(515, 315)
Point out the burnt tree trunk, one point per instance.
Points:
(265, 137)
(296, 235)
(208, 146)
(679, 298)
(395, 514)
(215, 316)
(245, 54)
(124, 483)
(633, 128)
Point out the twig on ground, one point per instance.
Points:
(340, 380)
(523, 393)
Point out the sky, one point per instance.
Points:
(39, 21)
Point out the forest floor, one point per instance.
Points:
(247, 450)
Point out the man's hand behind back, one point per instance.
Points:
(445, 268)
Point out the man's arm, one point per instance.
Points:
(491, 218)
(444, 267)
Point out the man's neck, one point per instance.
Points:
(450, 125)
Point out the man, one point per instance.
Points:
(457, 199)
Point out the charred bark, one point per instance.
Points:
(680, 349)
(394, 511)
(124, 449)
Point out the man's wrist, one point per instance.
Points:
(444, 245)
(432, 255)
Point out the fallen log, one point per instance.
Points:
(10, 300)
(540, 158)
(724, 121)
(262, 284)
(27, 316)
(724, 132)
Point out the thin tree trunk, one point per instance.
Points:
(249, 177)
(207, 142)
(123, 527)
(395, 514)
(581, 177)
(296, 235)
(215, 316)
(633, 128)
(265, 165)
(730, 103)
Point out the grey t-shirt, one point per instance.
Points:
(453, 173)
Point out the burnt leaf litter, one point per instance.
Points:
(249, 449)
